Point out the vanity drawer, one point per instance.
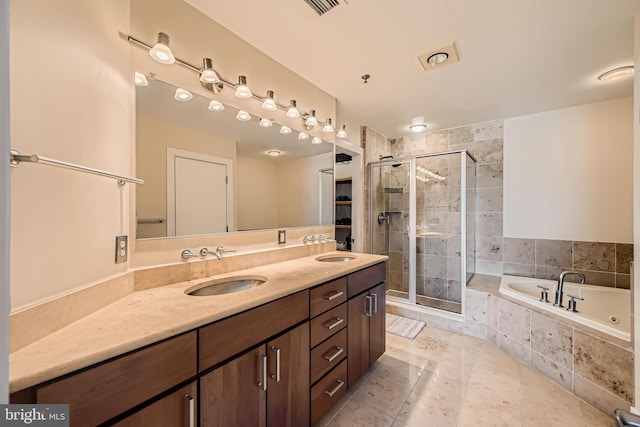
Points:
(365, 279)
(328, 323)
(102, 392)
(328, 296)
(228, 337)
(328, 392)
(328, 354)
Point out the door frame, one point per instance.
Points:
(172, 153)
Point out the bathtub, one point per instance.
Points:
(605, 309)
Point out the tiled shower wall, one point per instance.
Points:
(603, 263)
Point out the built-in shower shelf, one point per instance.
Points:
(343, 227)
(434, 235)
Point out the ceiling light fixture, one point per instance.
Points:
(183, 95)
(285, 130)
(140, 79)
(216, 105)
(437, 58)
(243, 116)
(417, 125)
(328, 127)
(302, 136)
(242, 90)
(311, 119)
(269, 103)
(616, 73)
(274, 153)
(293, 111)
(316, 140)
(208, 74)
(342, 133)
(161, 52)
(266, 123)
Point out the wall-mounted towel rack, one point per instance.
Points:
(17, 158)
(150, 220)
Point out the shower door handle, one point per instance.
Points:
(368, 303)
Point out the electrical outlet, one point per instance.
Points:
(122, 249)
(282, 237)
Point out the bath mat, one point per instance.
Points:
(407, 328)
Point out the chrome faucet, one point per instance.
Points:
(186, 254)
(221, 250)
(559, 289)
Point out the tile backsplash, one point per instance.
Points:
(605, 264)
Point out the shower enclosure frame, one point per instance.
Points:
(412, 227)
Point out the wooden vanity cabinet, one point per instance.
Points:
(366, 318)
(267, 385)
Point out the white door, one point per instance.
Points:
(199, 194)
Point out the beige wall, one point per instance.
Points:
(568, 173)
(298, 197)
(72, 100)
(257, 194)
(4, 202)
(635, 295)
(153, 137)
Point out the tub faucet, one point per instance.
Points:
(559, 288)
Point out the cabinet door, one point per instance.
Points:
(288, 385)
(377, 323)
(358, 337)
(177, 409)
(233, 394)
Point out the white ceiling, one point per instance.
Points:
(517, 56)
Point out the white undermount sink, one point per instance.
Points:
(226, 285)
(335, 258)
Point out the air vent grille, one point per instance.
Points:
(322, 6)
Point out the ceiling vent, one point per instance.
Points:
(322, 6)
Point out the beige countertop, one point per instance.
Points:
(145, 317)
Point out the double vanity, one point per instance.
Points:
(276, 345)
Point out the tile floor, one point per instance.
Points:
(443, 379)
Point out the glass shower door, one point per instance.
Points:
(389, 222)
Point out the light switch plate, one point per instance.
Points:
(282, 237)
(122, 249)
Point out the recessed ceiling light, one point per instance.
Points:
(616, 73)
(216, 105)
(274, 153)
(417, 125)
(140, 79)
(183, 95)
(316, 140)
(243, 116)
(266, 123)
(437, 58)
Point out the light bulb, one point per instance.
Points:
(303, 135)
(266, 123)
(269, 103)
(327, 127)
(285, 130)
(140, 79)
(161, 52)
(311, 120)
(208, 74)
(293, 111)
(183, 95)
(342, 133)
(216, 105)
(242, 90)
(316, 140)
(243, 116)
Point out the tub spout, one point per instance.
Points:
(559, 288)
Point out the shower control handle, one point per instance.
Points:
(544, 294)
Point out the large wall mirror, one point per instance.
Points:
(208, 172)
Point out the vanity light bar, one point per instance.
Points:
(223, 82)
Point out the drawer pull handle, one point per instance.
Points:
(338, 352)
(263, 383)
(276, 376)
(375, 302)
(192, 410)
(338, 321)
(330, 393)
(333, 296)
(368, 305)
